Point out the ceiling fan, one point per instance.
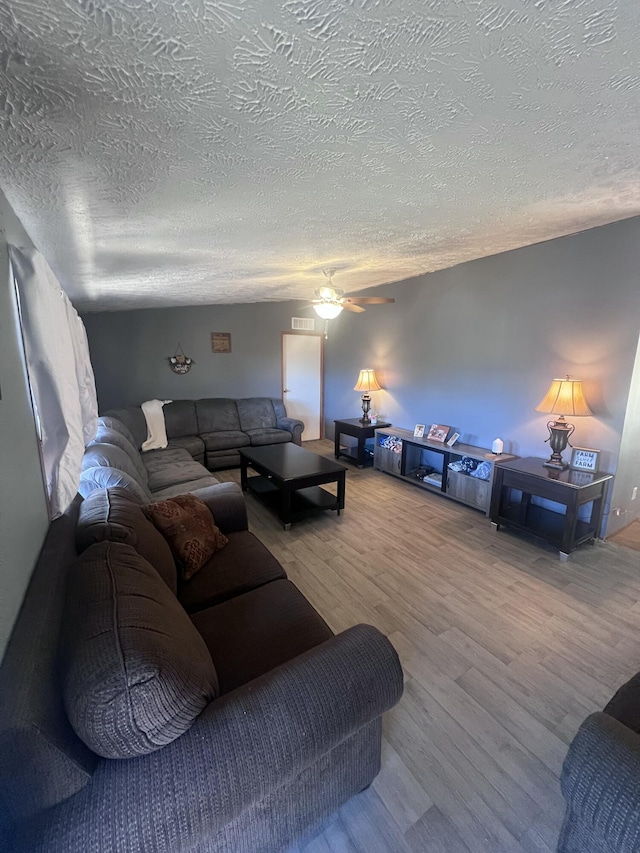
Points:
(330, 300)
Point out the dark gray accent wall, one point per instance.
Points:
(129, 352)
(23, 510)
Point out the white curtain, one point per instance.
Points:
(60, 374)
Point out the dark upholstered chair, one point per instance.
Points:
(600, 779)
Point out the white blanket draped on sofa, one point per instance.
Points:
(156, 429)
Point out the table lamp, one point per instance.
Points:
(564, 397)
(366, 382)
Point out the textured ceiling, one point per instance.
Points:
(164, 152)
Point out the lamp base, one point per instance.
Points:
(366, 405)
(559, 432)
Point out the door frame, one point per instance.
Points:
(308, 335)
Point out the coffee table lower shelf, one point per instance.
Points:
(307, 500)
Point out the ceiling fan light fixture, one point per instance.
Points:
(327, 310)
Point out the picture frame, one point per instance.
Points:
(454, 437)
(438, 433)
(418, 431)
(220, 342)
(584, 459)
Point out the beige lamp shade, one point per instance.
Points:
(565, 397)
(367, 381)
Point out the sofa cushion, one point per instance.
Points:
(244, 564)
(136, 672)
(134, 420)
(183, 488)
(180, 418)
(110, 456)
(171, 467)
(114, 515)
(256, 413)
(188, 526)
(262, 436)
(193, 444)
(225, 440)
(116, 425)
(256, 632)
(219, 459)
(217, 414)
(105, 435)
(104, 477)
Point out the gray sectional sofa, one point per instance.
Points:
(112, 460)
(239, 718)
(199, 431)
(214, 429)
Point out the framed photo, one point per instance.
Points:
(418, 431)
(453, 439)
(439, 433)
(220, 341)
(584, 459)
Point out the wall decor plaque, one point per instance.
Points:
(180, 363)
(220, 341)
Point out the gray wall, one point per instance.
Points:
(23, 510)
(475, 346)
(129, 352)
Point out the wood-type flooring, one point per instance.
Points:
(629, 536)
(505, 651)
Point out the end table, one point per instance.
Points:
(355, 428)
(523, 486)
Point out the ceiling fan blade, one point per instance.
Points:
(348, 306)
(369, 300)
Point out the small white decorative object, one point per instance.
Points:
(373, 418)
(497, 446)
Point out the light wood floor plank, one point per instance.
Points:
(505, 651)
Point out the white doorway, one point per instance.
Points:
(302, 354)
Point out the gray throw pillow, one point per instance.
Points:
(136, 672)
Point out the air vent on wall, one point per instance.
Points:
(303, 323)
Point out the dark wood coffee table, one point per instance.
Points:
(290, 478)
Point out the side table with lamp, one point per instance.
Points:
(564, 397)
(362, 429)
(524, 487)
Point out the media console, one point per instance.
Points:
(426, 463)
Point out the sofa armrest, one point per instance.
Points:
(254, 739)
(293, 426)
(601, 782)
(227, 505)
(244, 745)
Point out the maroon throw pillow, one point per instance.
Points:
(188, 525)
